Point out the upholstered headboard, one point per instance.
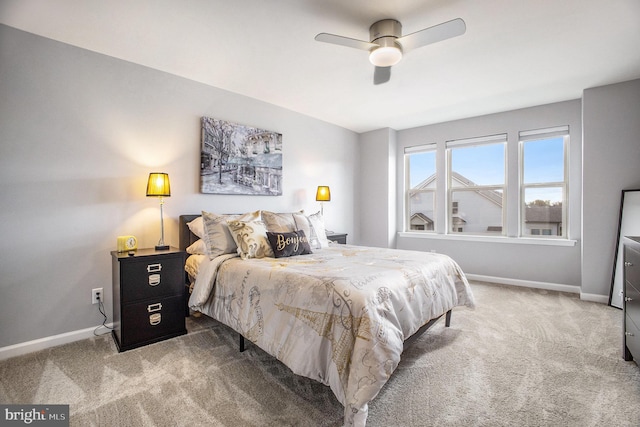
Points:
(184, 234)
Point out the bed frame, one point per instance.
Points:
(187, 238)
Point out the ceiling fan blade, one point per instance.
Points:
(381, 75)
(437, 33)
(345, 41)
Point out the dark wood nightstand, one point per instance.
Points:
(148, 296)
(337, 237)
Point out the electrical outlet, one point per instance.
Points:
(96, 296)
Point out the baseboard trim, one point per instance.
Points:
(526, 283)
(47, 342)
(602, 299)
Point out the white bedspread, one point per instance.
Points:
(339, 316)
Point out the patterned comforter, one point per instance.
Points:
(339, 316)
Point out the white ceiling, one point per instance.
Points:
(515, 53)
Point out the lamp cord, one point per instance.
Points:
(104, 321)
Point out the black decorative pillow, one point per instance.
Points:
(289, 244)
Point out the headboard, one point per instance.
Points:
(184, 234)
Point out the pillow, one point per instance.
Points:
(318, 235)
(197, 227)
(250, 238)
(192, 266)
(289, 244)
(217, 235)
(199, 247)
(286, 222)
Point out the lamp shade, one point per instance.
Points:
(323, 194)
(158, 185)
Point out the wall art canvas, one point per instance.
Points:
(239, 159)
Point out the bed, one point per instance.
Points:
(341, 315)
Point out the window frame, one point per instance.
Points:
(513, 194)
(408, 192)
(450, 189)
(540, 135)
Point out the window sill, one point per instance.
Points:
(490, 239)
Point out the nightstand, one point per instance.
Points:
(148, 296)
(337, 237)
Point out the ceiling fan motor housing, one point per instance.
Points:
(385, 28)
(385, 33)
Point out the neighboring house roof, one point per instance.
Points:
(456, 220)
(422, 217)
(425, 184)
(545, 214)
(493, 196)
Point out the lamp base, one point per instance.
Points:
(162, 247)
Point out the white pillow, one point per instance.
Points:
(199, 247)
(318, 238)
(286, 222)
(217, 235)
(251, 239)
(197, 227)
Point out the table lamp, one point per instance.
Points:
(158, 186)
(323, 194)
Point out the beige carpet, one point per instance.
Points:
(524, 357)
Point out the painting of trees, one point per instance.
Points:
(239, 159)
(217, 136)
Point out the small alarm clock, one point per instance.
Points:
(127, 243)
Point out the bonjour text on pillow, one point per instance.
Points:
(289, 244)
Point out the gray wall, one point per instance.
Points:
(557, 265)
(611, 158)
(376, 195)
(79, 134)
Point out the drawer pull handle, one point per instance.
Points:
(628, 264)
(154, 307)
(154, 268)
(154, 280)
(628, 299)
(155, 319)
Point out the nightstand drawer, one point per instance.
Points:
(151, 277)
(151, 320)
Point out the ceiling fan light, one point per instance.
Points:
(385, 56)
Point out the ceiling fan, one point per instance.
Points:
(387, 44)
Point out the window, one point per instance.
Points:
(543, 187)
(460, 186)
(420, 168)
(476, 185)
